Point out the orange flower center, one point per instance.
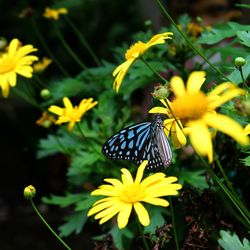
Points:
(190, 106)
(132, 193)
(136, 50)
(74, 114)
(7, 65)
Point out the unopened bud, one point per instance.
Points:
(29, 192)
(161, 92)
(45, 94)
(3, 43)
(239, 62)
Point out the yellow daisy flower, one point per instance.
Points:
(247, 129)
(15, 61)
(42, 64)
(197, 113)
(124, 195)
(133, 53)
(72, 114)
(45, 120)
(54, 13)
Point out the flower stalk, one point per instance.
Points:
(48, 226)
(197, 51)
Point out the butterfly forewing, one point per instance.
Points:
(128, 143)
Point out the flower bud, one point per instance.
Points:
(199, 19)
(239, 62)
(45, 94)
(29, 192)
(161, 92)
(148, 23)
(3, 43)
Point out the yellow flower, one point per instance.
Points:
(194, 29)
(15, 61)
(247, 129)
(72, 114)
(45, 120)
(54, 13)
(133, 53)
(124, 195)
(197, 113)
(42, 65)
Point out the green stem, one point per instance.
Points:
(49, 52)
(174, 225)
(154, 71)
(69, 50)
(82, 40)
(142, 235)
(188, 42)
(226, 191)
(48, 226)
(229, 184)
(242, 77)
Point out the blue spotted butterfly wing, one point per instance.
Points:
(142, 141)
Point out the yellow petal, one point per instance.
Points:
(120, 73)
(180, 134)
(67, 103)
(126, 176)
(195, 81)
(200, 138)
(123, 215)
(103, 204)
(152, 179)
(159, 39)
(109, 210)
(140, 171)
(110, 215)
(142, 214)
(230, 94)
(227, 126)
(56, 110)
(158, 110)
(221, 88)
(13, 47)
(156, 201)
(247, 129)
(178, 86)
(116, 183)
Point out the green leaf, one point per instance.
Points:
(244, 37)
(232, 242)
(194, 178)
(216, 35)
(156, 219)
(246, 161)
(82, 162)
(122, 237)
(74, 223)
(63, 201)
(62, 142)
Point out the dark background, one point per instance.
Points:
(105, 24)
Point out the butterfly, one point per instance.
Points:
(142, 141)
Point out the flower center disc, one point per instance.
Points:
(190, 106)
(132, 193)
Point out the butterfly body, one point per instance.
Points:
(142, 141)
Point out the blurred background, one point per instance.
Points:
(105, 24)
